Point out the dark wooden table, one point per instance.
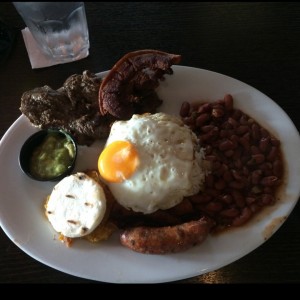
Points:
(257, 43)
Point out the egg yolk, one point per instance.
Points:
(118, 161)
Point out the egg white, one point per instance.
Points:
(170, 162)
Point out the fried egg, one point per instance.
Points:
(151, 162)
(76, 205)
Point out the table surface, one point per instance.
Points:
(257, 43)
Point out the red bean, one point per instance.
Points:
(267, 199)
(258, 158)
(208, 150)
(229, 153)
(204, 138)
(237, 153)
(188, 120)
(226, 145)
(236, 114)
(246, 171)
(230, 212)
(238, 198)
(268, 190)
(211, 157)
(215, 165)
(227, 176)
(202, 119)
(235, 140)
(256, 176)
(250, 200)
(272, 154)
(220, 184)
(254, 150)
(227, 199)
(269, 181)
(255, 132)
(214, 206)
(239, 185)
(244, 119)
(245, 141)
(236, 175)
(209, 181)
(243, 217)
(206, 107)
(223, 133)
(228, 102)
(238, 164)
(242, 129)
(227, 127)
(185, 109)
(233, 122)
(254, 208)
(220, 101)
(212, 192)
(201, 198)
(207, 128)
(264, 144)
(275, 142)
(217, 112)
(277, 168)
(264, 132)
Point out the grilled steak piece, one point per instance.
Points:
(73, 108)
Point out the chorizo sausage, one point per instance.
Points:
(167, 239)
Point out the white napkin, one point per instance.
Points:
(37, 58)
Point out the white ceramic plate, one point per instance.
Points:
(21, 199)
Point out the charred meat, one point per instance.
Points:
(130, 85)
(74, 108)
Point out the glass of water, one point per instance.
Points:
(59, 28)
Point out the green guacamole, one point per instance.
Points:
(53, 157)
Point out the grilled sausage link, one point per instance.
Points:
(168, 239)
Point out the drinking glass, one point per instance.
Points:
(59, 28)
